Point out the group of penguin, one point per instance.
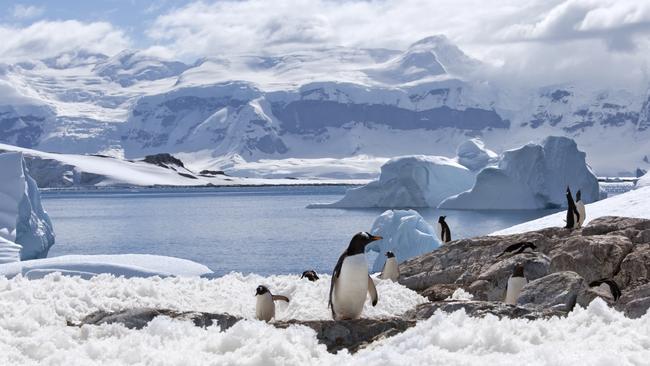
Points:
(351, 281)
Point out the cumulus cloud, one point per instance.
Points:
(49, 38)
(27, 11)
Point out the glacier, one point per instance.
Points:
(409, 182)
(26, 231)
(534, 176)
(405, 233)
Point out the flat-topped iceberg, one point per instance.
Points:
(25, 228)
(408, 182)
(405, 233)
(534, 176)
(473, 155)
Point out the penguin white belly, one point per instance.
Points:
(391, 270)
(351, 287)
(581, 210)
(515, 284)
(606, 289)
(265, 307)
(439, 230)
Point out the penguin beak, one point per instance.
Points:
(375, 238)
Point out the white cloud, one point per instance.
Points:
(49, 38)
(27, 11)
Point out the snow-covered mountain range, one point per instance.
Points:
(320, 103)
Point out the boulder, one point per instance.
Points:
(556, 291)
(481, 309)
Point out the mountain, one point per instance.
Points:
(333, 102)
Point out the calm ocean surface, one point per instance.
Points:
(265, 230)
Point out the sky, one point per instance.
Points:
(533, 40)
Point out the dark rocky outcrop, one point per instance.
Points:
(164, 160)
(336, 335)
(566, 260)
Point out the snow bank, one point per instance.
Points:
(410, 181)
(635, 203)
(127, 265)
(25, 228)
(531, 177)
(33, 329)
(473, 155)
(405, 233)
(644, 181)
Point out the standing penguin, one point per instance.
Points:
(265, 306)
(580, 206)
(515, 283)
(390, 270)
(351, 281)
(572, 215)
(443, 230)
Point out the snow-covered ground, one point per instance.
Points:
(120, 172)
(33, 328)
(635, 203)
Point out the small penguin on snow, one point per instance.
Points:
(517, 248)
(265, 306)
(580, 206)
(572, 214)
(443, 230)
(310, 275)
(609, 286)
(515, 283)
(351, 282)
(391, 269)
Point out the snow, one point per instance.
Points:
(410, 181)
(644, 181)
(460, 294)
(635, 203)
(127, 265)
(534, 176)
(473, 154)
(405, 233)
(33, 328)
(26, 231)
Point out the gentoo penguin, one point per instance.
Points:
(609, 286)
(517, 248)
(390, 270)
(351, 281)
(310, 275)
(580, 206)
(572, 215)
(265, 307)
(443, 230)
(515, 283)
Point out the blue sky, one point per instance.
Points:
(535, 39)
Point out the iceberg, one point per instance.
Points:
(534, 176)
(26, 231)
(473, 155)
(409, 182)
(405, 233)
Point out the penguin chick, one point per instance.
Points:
(310, 275)
(391, 269)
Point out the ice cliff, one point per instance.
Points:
(25, 228)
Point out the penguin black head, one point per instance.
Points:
(390, 254)
(441, 219)
(359, 242)
(310, 275)
(518, 271)
(261, 290)
(578, 195)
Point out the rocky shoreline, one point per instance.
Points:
(559, 271)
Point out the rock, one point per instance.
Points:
(558, 291)
(609, 247)
(336, 335)
(635, 302)
(164, 160)
(581, 254)
(588, 294)
(481, 309)
(439, 292)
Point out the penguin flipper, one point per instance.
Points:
(280, 297)
(335, 275)
(373, 291)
